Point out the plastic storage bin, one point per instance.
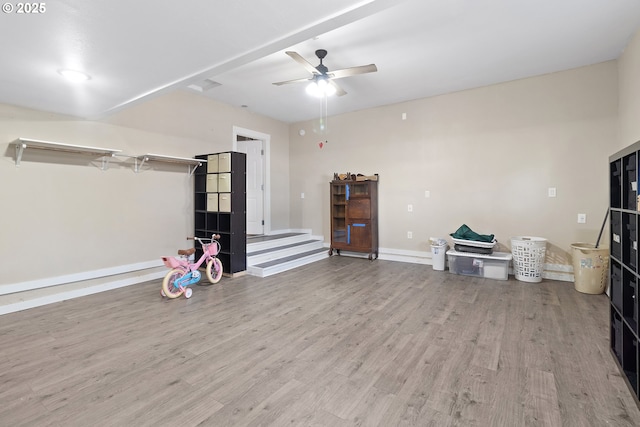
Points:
(528, 257)
(494, 266)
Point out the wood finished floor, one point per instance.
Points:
(340, 342)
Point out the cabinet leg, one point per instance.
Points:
(330, 251)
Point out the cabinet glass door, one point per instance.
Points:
(338, 213)
(357, 189)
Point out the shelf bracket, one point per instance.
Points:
(191, 171)
(19, 150)
(139, 166)
(105, 162)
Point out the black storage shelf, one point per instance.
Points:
(229, 221)
(624, 275)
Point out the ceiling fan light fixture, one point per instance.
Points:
(320, 88)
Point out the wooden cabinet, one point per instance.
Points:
(220, 207)
(624, 276)
(354, 217)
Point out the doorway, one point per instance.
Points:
(256, 146)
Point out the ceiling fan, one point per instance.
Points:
(321, 75)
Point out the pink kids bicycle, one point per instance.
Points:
(183, 273)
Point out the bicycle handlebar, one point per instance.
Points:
(213, 237)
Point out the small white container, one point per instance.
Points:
(224, 182)
(225, 202)
(438, 256)
(212, 183)
(212, 202)
(224, 162)
(212, 163)
(494, 266)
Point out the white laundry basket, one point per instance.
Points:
(528, 257)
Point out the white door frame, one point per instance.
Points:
(266, 142)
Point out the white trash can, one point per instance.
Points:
(528, 257)
(438, 253)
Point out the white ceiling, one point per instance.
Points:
(134, 50)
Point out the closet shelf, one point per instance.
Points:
(106, 153)
(168, 159)
(24, 143)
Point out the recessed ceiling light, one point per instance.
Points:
(74, 75)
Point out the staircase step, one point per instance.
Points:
(264, 255)
(260, 243)
(279, 265)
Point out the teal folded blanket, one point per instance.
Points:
(465, 233)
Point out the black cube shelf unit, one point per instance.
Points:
(220, 207)
(624, 276)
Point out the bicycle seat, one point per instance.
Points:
(186, 252)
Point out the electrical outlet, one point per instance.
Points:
(552, 191)
(409, 235)
(582, 218)
(409, 208)
(302, 195)
(427, 194)
(404, 116)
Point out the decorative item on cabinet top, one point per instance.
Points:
(22, 144)
(354, 177)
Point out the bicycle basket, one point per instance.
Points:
(213, 248)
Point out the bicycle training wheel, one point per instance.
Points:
(214, 270)
(168, 283)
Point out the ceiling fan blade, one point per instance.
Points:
(300, 60)
(339, 90)
(346, 72)
(286, 82)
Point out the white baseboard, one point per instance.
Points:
(76, 293)
(77, 277)
(401, 255)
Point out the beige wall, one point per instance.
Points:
(629, 72)
(189, 115)
(487, 156)
(63, 215)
